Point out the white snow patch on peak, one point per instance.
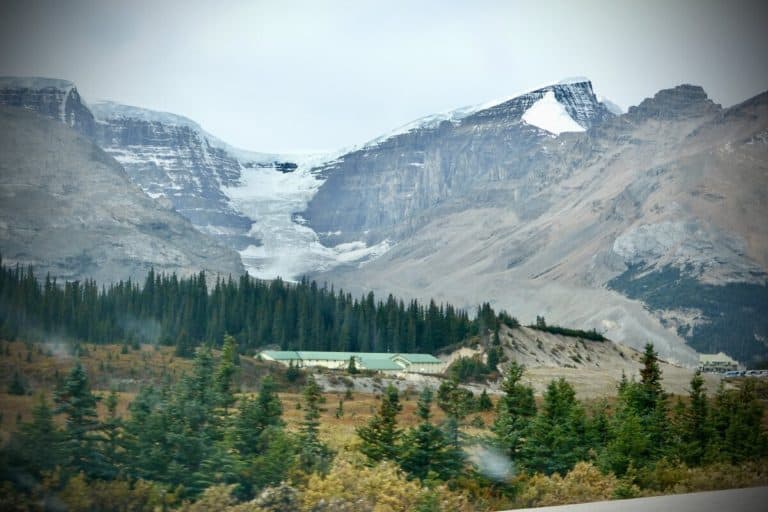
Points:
(457, 115)
(550, 115)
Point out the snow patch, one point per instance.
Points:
(550, 115)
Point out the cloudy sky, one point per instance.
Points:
(284, 76)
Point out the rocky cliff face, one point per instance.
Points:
(57, 99)
(643, 226)
(170, 157)
(69, 209)
(387, 189)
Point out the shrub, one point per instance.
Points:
(383, 488)
(582, 484)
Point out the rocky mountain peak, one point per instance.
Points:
(575, 95)
(679, 102)
(50, 97)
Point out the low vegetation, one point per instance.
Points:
(194, 442)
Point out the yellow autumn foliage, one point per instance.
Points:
(382, 488)
(583, 483)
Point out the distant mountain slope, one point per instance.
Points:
(68, 208)
(382, 190)
(167, 155)
(591, 229)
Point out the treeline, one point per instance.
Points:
(541, 325)
(185, 313)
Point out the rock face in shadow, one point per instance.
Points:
(70, 210)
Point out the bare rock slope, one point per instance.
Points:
(68, 208)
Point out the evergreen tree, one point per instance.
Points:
(256, 416)
(313, 456)
(425, 449)
(556, 439)
(17, 385)
(693, 420)
(514, 411)
(112, 437)
(380, 437)
(484, 403)
(82, 434)
(40, 443)
(457, 402)
(494, 357)
(225, 373)
(737, 422)
(352, 367)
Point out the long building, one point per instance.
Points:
(377, 361)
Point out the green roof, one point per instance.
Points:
(379, 363)
(419, 358)
(371, 360)
(281, 355)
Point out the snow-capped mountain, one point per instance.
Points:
(645, 225)
(371, 191)
(641, 225)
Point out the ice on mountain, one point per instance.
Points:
(550, 115)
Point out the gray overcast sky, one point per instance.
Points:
(282, 76)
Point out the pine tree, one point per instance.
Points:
(514, 411)
(652, 404)
(226, 371)
(76, 401)
(556, 439)
(695, 428)
(494, 357)
(425, 450)
(256, 416)
(17, 385)
(352, 367)
(313, 456)
(380, 437)
(40, 442)
(484, 403)
(112, 438)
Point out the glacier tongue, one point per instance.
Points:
(288, 248)
(550, 115)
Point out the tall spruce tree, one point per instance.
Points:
(557, 436)
(313, 455)
(40, 443)
(82, 432)
(380, 437)
(425, 450)
(226, 371)
(514, 411)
